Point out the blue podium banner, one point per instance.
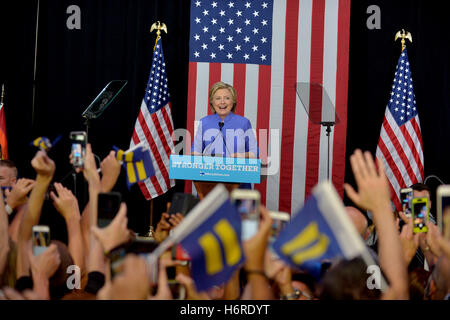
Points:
(219, 169)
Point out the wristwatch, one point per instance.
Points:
(8, 209)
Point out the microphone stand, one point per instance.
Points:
(328, 126)
(209, 145)
(221, 124)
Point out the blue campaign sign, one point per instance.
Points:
(219, 169)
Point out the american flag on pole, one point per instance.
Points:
(154, 126)
(263, 48)
(400, 143)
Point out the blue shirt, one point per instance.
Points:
(236, 136)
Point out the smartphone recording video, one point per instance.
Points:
(107, 207)
(406, 196)
(443, 212)
(279, 222)
(139, 246)
(420, 214)
(40, 239)
(247, 204)
(78, 149)
(182, 203)
(116, 259)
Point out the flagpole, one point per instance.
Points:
(158, 26)
(35, 64)
(3, 93)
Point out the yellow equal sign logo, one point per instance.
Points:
(296, 248)
(212, 250)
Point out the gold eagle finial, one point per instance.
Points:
(403, 35)
(158, 26)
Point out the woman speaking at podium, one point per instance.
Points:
(224, 133)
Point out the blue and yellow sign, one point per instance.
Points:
(138, 164)
(215, 169)
(215, 247)
(308, 239)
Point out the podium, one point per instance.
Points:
(207, 172)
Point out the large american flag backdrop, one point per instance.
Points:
(400, 143)
(263, 48)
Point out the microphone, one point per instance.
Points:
(221, 124)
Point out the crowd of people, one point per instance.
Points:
(415, 265)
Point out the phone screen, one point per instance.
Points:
(277, 226)
(116, 258)
(78, 148)
(108, 206)
(420, 215)
(445, 203)
(182, 203)
(41, 240)
(406, 198)
(249, 212)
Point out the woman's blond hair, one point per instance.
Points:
(221, 85)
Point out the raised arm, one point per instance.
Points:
(67, 205)
(43, 267)
(45, 169)
(110, 168)
(255, 249)
(16, 200)
(373, 195)
(93, 178)
(4, 238)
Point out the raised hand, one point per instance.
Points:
(65, 202)
(373, 187)
(431, 239)
(115, 233)
(90, 168)
(409, 240)
(163, 228)
(46, 263)
(373, 195)
(43, 165)
(175, 219)
(110, 171)
(163, 292)
(255, 247)
(132, 283)
(191, 290)
(18, 194)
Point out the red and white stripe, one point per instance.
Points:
(400, 149)
(310, 43)
(156, 129)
